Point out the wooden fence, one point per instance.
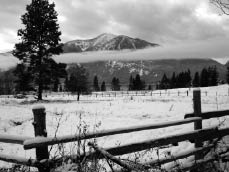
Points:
(198, 136)
(185, 92)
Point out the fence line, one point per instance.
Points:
(203, 135)
(40, 142)
(37, 142)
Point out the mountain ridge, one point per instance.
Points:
(106, 41)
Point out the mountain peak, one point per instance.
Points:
(107, 35)
(106, 41)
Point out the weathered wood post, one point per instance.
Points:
(40, 131)
(197, 113)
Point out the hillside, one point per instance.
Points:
(106, 42)
(150, 70)
(227, 64)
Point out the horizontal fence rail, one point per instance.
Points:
(208, 115)
(13, 139)
(42, 141)
(203, 135)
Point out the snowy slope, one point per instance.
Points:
(98, 113)
(106, 42)
(85, 45)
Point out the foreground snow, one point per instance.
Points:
(98, 112)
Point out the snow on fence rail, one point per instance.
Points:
(41, 142)
(13, 139)
(38, 142)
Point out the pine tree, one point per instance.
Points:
(131, 83)
(57, 71)
(138, 83)
(115, 84)
(103, 86)
(164, 84)
(24, 78)
(204, 78)
(96, 83)
(78, 81)
(213, 76)
(149, 87)
(188, 78)
(196, 80)
(173, 81)
(66, 84)
(56, 85)
(39, 40)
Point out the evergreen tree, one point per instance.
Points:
(137, 82)
(188, 78)
(7, 82)
(56, 85)
(204, 78)
(131, 83)
(115, 84)
(196, 80)
(39, 40)
(149, 87)
(118, 86)
(66, 84)
(173, 81)
(213, 76)
(103, 86)
(24, 78)
(78, 80)
(183, 79)
(96, 83)
(57, 71)
(164, 84)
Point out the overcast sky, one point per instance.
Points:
(194, 23)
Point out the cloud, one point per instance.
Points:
(167, 22)
(214, 48)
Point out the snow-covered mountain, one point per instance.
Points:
(106, 42)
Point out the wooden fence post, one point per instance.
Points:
(197, 113)
(40, 131)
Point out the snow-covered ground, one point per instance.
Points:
(109, 112)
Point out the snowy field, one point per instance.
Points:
(109, 112)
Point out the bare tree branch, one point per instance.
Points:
(223, 5)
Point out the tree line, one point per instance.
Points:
(207, 77)
(74, 78)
